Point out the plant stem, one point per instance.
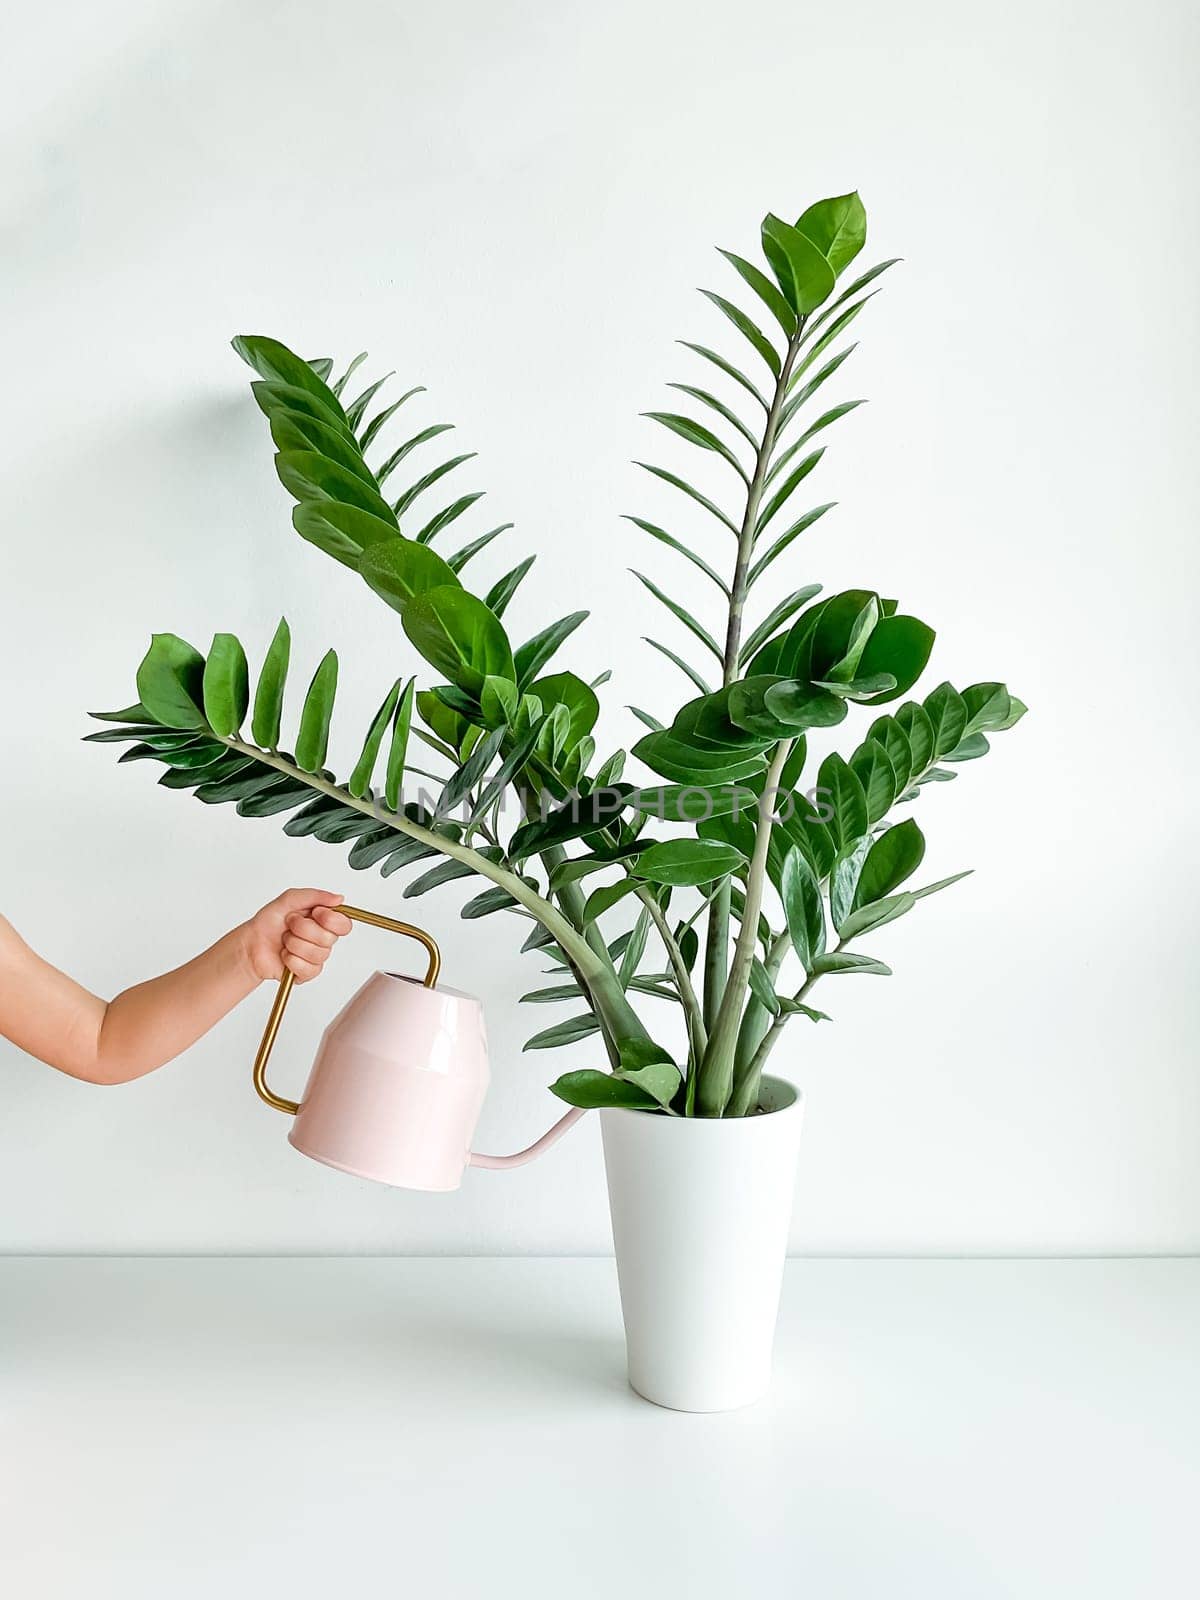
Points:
(716, 949)
(697, 1035)
(610, 1004)
(745, 1094)
(716, 1073)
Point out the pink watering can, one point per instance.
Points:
(398, 1082)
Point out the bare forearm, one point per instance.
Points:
(150, 1024)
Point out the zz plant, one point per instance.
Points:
(780, 870)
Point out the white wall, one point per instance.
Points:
(512, 203)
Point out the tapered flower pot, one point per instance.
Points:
(700, 1213)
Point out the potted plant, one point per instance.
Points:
(740, 872)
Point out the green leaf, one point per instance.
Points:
(603, 899)
(689, 861)
(444, 872)
(874, 770)
(659, 1078)
(684, 802)
(581, 815)
(360, 779)
(721, 409)
(900, 646)
(405, 501)
(688, 671)
(847, 798)
(785, 491)
(296, 430)
(275, 363)
(803, 908)
(594, 1090)
(765, 290)
(226, 685)
(843, 879)
(269, 692)
(913, 721)
(534, 653)
(838, 228)
(785, 539)
(894, 856)
(799, 705)
(988, 706)
(451, 513)
(357, 409)
(459, 636)
(727, 368)
(401, 724)
(763, 989)
(846, 961)
(968, 749)
(170, 682)
(947, 714)
(666, 538)
(399, 570)
(876, 915)
(342, 531)
(308, 475)
(499, 595)
(313, 738)
(695, 628)
(385, 470)
(748, 329)
(695, 433)
(459, 559)
(804, 275)
(775, 618)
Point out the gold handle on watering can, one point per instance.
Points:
(287, 982)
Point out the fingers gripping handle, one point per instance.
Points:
(287, 983)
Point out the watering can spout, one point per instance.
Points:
(398, 1082)
(531, 1152)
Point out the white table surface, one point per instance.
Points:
(435, 1428)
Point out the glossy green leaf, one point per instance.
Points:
(226, 685)
(689, 861)
(695, 628)
(785, 539)
(398, 749)
(381, 418)
(534, 653)
(800, 706)
(427, 481)
(384, 471)
(876, 915)
(170, 682)
(900, 646)
(847, 798)
(727, 368)
(499, 595)
(310, 476)
(722, 410)
(313, 738)
(872, 766)
(666, 538)
(603, 899)
(268, 697)
(765, 290)
(804, 275)
(590, 1089)
(292, 430)
(785, 491)
(458, 636)
(399, 570)
(275, 363)
(451, 513)
(360, 779)
(762, 988)
(696, 433)
(749, 330)
(895, 856)
(914, 721)
(803, 907)
(693, 494)
(581, 815)
(838, 228)
(947, 714)
(775, 618)
(342, 531)
(847, 961)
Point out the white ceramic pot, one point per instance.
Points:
(700, 1212)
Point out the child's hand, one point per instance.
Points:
(296, 931)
